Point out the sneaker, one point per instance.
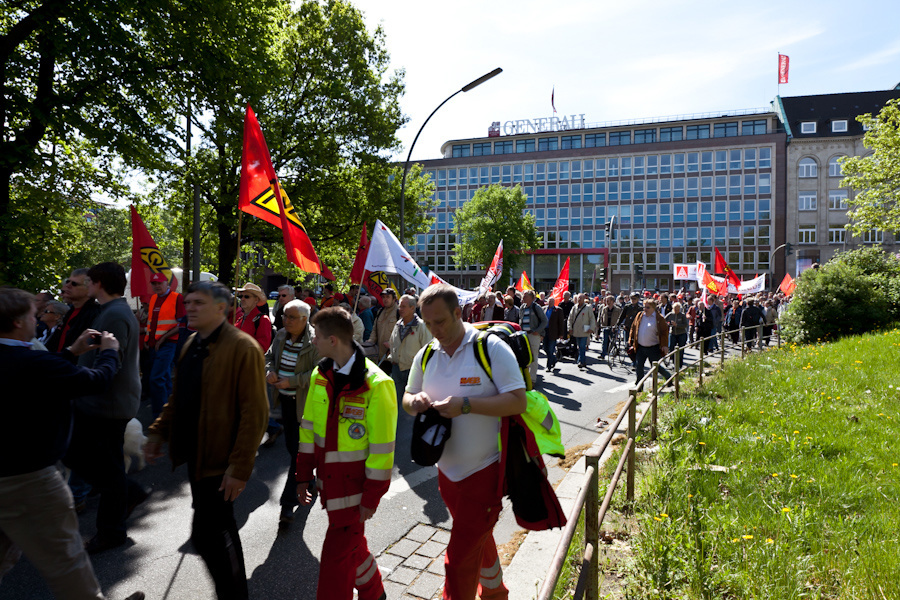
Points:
(136, 596)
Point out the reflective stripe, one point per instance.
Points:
(365, 565)
(320, 441)
(165, 317)
(492, 577)
(378, 474)
(345, 502)
(368, 573)
(306, 424)
(381, 448)
(306, 448)
(345, 457)
(547, 423)
(166, 322)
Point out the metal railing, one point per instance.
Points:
(587, 585)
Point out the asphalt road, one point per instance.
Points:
(159, 557)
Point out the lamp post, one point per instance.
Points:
(465, 88)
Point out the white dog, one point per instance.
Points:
(134, 444)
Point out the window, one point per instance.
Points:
(461, 150)
(836, 235)
(763, 235)
(594, 140)
(808, 127)
(652, 164)
(525, 145)
(503, 147)
(671, 134)
(495, 174)
(693, 162)
(483, 149)
(697, 132)
(600, 167)
(807, 168)
(765, 158)
(507, 174)
(750, 158)
(638, 165)
(873, 236)
(545, 144)
(834, 166)
(837, 200)
(706, 161)
(619, 138)
(757, 127)
(644, 136)
(721, 160)
(839, 126)
(571, 142)
(517, 173)
(806, 201)
(613, 167)
(725, 129)
(626, 166)
(665, 164)
(765, 183)
(734, 160)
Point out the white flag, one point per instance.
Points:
(494, 271)
(754, 286)
(387, 254)
(463, 296)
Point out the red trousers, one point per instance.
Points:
(471, 563)
(346, 564)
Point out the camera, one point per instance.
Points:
(95, 338)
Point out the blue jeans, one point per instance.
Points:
(608, 340)
(582, 349)
(400, 379)
(550, 350)
(161, 376)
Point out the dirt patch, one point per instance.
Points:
(508, 550)
(615, 413)
(572, 456)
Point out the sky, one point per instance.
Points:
(624, 60)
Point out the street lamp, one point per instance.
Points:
(465, 88)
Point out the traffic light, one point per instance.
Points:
(788, 249)
(607, 226)
(639, 270)
(601, 273)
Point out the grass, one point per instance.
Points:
(778, 479)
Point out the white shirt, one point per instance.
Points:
(473, 439)
(647, 333)
(345, 370)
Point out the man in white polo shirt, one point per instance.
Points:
(454, 383)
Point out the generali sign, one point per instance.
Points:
(540, 125)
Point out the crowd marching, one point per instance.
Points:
(326, 372)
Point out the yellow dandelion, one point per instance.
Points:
(774, 474)
(690, 495)
(747, 537)
(785, 510)
(770, 541)
(793, 476)
(664, 515)
(702, 443)
(735, 540)
(657, 519)
(796, 432)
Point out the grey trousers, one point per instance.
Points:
(37, 514)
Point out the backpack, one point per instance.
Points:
(256, 321)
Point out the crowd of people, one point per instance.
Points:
(327, 373)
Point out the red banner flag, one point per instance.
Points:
(722, 267)
(562, 284)
(495, 270)
(261, 195)
(783, 63)
(788, 285)
(359, 263)
(145, 259)
(524, 284)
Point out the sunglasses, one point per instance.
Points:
(283, 295)
(73, 283)
(245, 296)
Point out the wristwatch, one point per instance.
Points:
(467, 406)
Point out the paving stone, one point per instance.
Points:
(431, 549)
(394, 591)
(420, 563)
(421, 533)
(388, 562)
(442, 536)
(437, 566)
(404, 548)
(426, 586)
(403, 575)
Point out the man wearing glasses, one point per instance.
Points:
(82, 312)
(285, 295)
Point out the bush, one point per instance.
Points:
(856, 292)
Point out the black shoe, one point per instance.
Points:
(273, 435)
(287, 516)
(133, 503)
(136, 596)
(100, 543)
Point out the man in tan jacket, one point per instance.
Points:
(649, 338)
(214, 421)
(384, 326)
(409, 336)
(582, 324)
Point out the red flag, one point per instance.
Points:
(326, 272)
(788, 285)
(783, 63)
(494, 271)
(524, 285)
(359, 263)
(722, 267)
(261, 195)
(562, 284)
(145, 259)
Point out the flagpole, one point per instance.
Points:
(356, 303)
(237, 267)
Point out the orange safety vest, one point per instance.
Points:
(166, 319)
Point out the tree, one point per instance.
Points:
(495, 213)
(107, 80)
(876, 177)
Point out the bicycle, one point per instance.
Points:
(616, 353)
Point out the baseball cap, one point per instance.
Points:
(430, 432)
(158, 277)
(635, 294)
